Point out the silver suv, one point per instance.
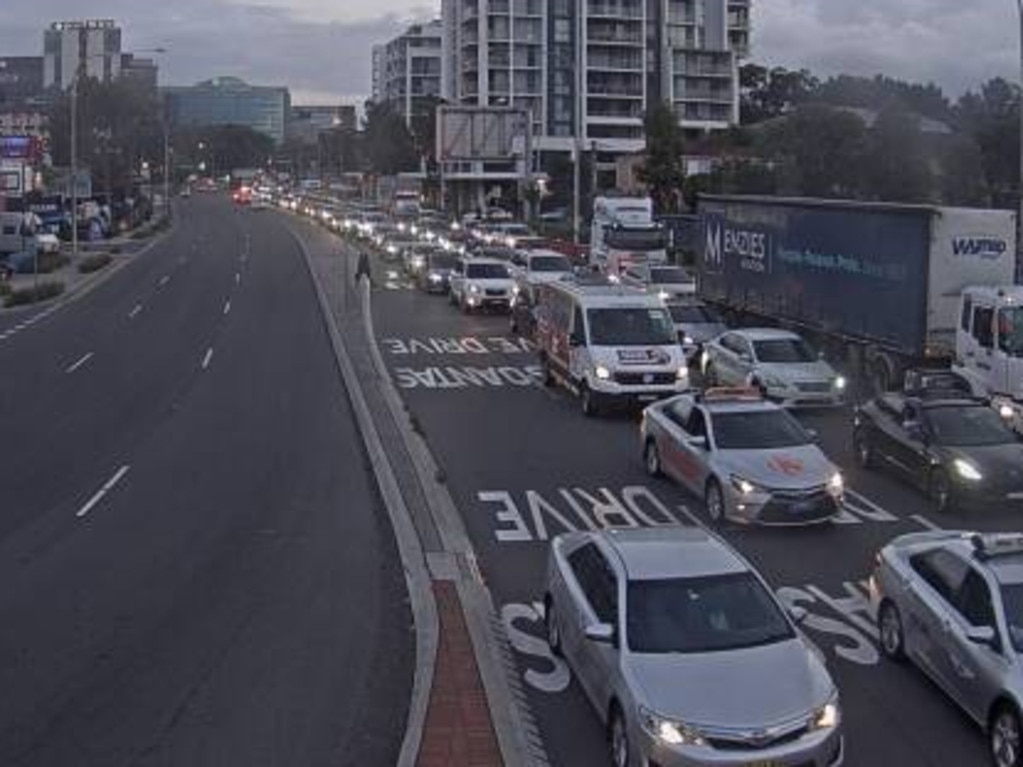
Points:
(685, 653)
(952, 602)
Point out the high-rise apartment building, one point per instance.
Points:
(589, 69)
(407, 71)
(91, 47)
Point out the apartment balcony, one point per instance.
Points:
(612, 10)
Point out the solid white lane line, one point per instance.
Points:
(135, 311)
(207, 358)
(165, 279)
(237, 278)
(923, 521)
(85, 358)
(102, 491)
(227, 307)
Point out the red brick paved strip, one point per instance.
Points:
(458, 731)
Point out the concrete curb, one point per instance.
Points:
(417, 576)
(517, 734)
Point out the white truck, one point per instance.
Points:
(624, 234)
(888, 287)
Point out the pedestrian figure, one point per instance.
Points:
(362, 268)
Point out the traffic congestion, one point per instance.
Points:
(670, 495)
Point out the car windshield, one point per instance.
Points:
(442, 261)
(671, 275)
(694, 315)
(1012, 603)
(636, 239)
(783, 350)
(622, 326)
(758, 430)
(968, 426)
(700, 615)
(549, 264)
(486, 271)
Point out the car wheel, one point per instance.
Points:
(941, 491)
(715, 501)
(1004, 737)
(652, 458)
(889, 626)
(588, 401)
(553, 626)
(618, 739)
(864, 450)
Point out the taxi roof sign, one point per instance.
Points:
(989, 545)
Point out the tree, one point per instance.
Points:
(769, 93)
(663, 170)
(880, 92)
(963, 180)
(991, 118)
(818, 151)
(388, 144)
(222, 148)
(895, 166)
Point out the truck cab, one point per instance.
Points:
(624, 234)
(989, 346)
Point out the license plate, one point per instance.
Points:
(803, 508)
(647, 398)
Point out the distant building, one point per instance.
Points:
(307, 123)
(21, 80)
(141, 70)
(230, 101)
(92, 47)
(407, 71)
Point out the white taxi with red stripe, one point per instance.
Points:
(749, 459)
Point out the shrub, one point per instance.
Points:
(51, 262)
(32, 294)
(5, 288)
(94, 262)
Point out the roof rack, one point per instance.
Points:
(730, 394)
(990, 545)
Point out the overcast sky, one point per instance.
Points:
(321, 48)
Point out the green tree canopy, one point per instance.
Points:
(388, 144)
(663, 169)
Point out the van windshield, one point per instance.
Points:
(622, 326)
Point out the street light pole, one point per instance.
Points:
(1019, 4)
(74, 164)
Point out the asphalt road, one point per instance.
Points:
(523, 464)
(194, 566)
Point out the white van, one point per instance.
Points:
(608, 344)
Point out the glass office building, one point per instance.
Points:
(230, 101)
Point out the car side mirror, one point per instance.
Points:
(700, 442)
(981, 635)
(814, 435)
(745, 357)
(798, 614)
(602, 633)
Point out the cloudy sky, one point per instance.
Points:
(321, 48)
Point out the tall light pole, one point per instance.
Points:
(1019, 244)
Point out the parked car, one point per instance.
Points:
(778, 363)
(950, 445)
(952, 603)
(481, 283)
(749, 459)
(685, 653)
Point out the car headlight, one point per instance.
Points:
(682, 374)
(418, 261)
(434, 277)
(603, 373)
(1005, 411)
(688, 340)
(474, 288)
(840, 383)
(744, 486)
(668, 731)
(827, 717)
(664, 295)
(967, 470)
(392, 250)
(836, 484)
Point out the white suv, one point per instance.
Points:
(481, 283)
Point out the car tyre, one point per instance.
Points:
(864, 450)
(618, 738)
(553, 626)
(714, 498)
(652, 458)
(941, 491)
(1004, 737)
(588, 401)
(889, 627)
